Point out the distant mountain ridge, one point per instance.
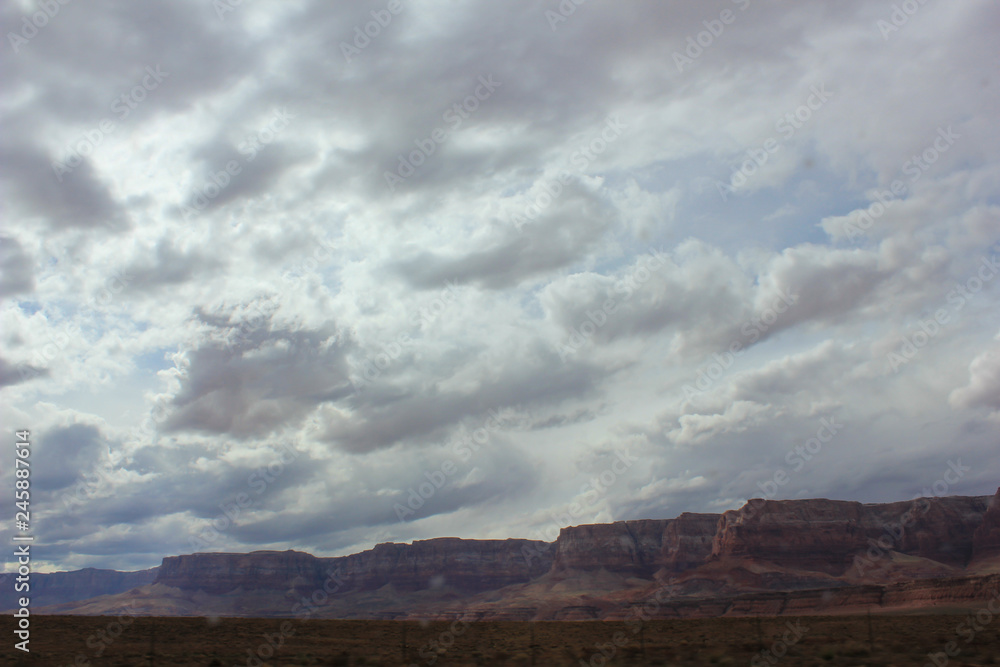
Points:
(49, 588)
(770, 556)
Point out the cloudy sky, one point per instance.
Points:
(386, 271)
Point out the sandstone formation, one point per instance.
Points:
(638, 547)
(465, 565)
(768, 557)
(218, 573)
(828, 535)
(632, 547)
(687, 541)
(469, 566)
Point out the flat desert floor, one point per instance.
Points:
(903, 640)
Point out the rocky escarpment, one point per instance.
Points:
(819, 535)
(638, 548)
(826, 535)
(60, 587)
(942, 529)
(629, 547)
(687, 541)
(986, 540)
(788, 556)
(218, 573)
(466, 565)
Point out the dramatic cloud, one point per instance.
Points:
(441, 270)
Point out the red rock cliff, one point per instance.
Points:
(825, 535)
(468, 565)
(218, 573)
(942, 529)
(687, 540)
(629, 547)
(638, 547)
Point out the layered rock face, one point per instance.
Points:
(986, 541)
(826, 535)
(218, 573)
(628, 547)
(941, 529)
(638, 547)
(687, 541)
(789, 556)
(820, 535)
(466, 565)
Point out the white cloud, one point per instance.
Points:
(182, 351)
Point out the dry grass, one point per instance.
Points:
(58, 641)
